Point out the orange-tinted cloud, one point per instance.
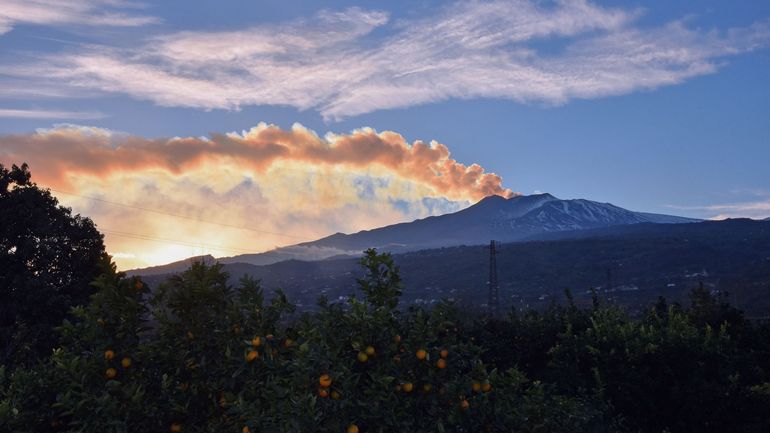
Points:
(62, 153)
(159, 200)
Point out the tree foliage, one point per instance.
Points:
(48, 257)
(206, 357)
(199, 355)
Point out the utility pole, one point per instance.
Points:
(493, 303)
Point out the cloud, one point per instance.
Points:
(336, 63)
(262, 187)
(47, 114)
(758, 209)
(65, 12)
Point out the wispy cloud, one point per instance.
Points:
(758, 209)
(337, 64)
(66, 12)
(9, 113)
(292, 182)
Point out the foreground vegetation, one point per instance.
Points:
(200, 356)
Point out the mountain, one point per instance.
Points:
(494, 217)
(519, 218)
(174, 267)
(629, 264)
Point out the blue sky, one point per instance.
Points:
(661, 106)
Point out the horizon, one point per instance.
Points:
(236, 128)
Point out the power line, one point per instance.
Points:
(152, 238)
(144, 209)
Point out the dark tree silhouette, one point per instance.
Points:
(48, 257)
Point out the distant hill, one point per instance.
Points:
(494, 217)
(173, 267)
(631, 265)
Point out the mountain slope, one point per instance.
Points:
(173, 267)
(642, 261)
(494, 217)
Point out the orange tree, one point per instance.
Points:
(91, 383)
(201, 356)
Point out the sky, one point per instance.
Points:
(186, 128)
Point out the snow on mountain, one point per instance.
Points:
(494, 217)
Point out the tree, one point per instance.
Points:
(48, 257)
(382, 282)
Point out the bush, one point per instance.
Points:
(200, 356)
(205, 357)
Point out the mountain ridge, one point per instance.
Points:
(513, 219)
(645, 261)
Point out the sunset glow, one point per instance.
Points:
(244, 192)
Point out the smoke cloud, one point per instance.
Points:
(62, 153)
(291, 185)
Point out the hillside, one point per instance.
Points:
(507, 220)
(631, 265)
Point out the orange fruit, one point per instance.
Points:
(175, 428)
(323, 393)
(369, 350)
(252, 355)
(441, 364)
(325, 381)
(427, 387)
(125, 362)
(444, 353)
(269, 336)
(407, 387)
(476, 386)
(486, 387)
(190, 336)
(138, 285)
(397, 339)
(236, 329)
(352, 428)
(111, 373)
(183, 386)
(109, 354)
(288, 342)
(421, 354)
(362, 357)
(336, 395)
(464, 405)
(245, 429)
(396, 358)
(101, 322)
(256, 341)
